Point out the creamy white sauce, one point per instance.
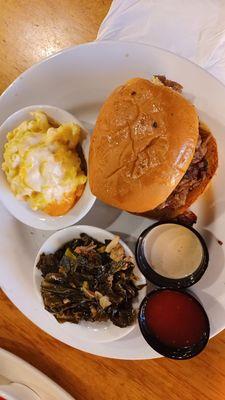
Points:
(45, 174)
(173, 251)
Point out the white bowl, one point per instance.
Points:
(17, 391)
(20, 209)
(89, 331)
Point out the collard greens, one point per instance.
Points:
(89, 280)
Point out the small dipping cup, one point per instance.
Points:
(171, 255)
(174, 323)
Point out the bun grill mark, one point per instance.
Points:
(153, 154)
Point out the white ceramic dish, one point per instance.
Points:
(101, 332)
(14, 369)
(78, 80)
(17, 391)
(20, 209)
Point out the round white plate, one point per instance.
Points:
(78, 80)
(14, 369)
(99, 332)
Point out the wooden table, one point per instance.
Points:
(30, 30)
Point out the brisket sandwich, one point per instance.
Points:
(149, 153)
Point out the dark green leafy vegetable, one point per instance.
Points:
(89, 280)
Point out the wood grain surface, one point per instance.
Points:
(30, 30)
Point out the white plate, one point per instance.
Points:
(14, 369)
(20, 209)
(101, 332)
(78, 80)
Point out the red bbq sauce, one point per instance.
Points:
(175, 318)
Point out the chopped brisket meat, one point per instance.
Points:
(187, 218)
(195, 174)
(166, 82)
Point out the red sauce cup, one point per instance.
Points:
(174, 323)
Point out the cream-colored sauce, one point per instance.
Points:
(173, 251)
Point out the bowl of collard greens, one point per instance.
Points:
(87, 280)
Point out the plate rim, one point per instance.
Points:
(97, 42)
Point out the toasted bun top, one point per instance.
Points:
(143, 142)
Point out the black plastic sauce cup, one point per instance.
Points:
(178, 283)
(155, 332)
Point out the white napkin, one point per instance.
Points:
(194, 29)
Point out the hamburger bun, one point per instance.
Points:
(143, 143)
